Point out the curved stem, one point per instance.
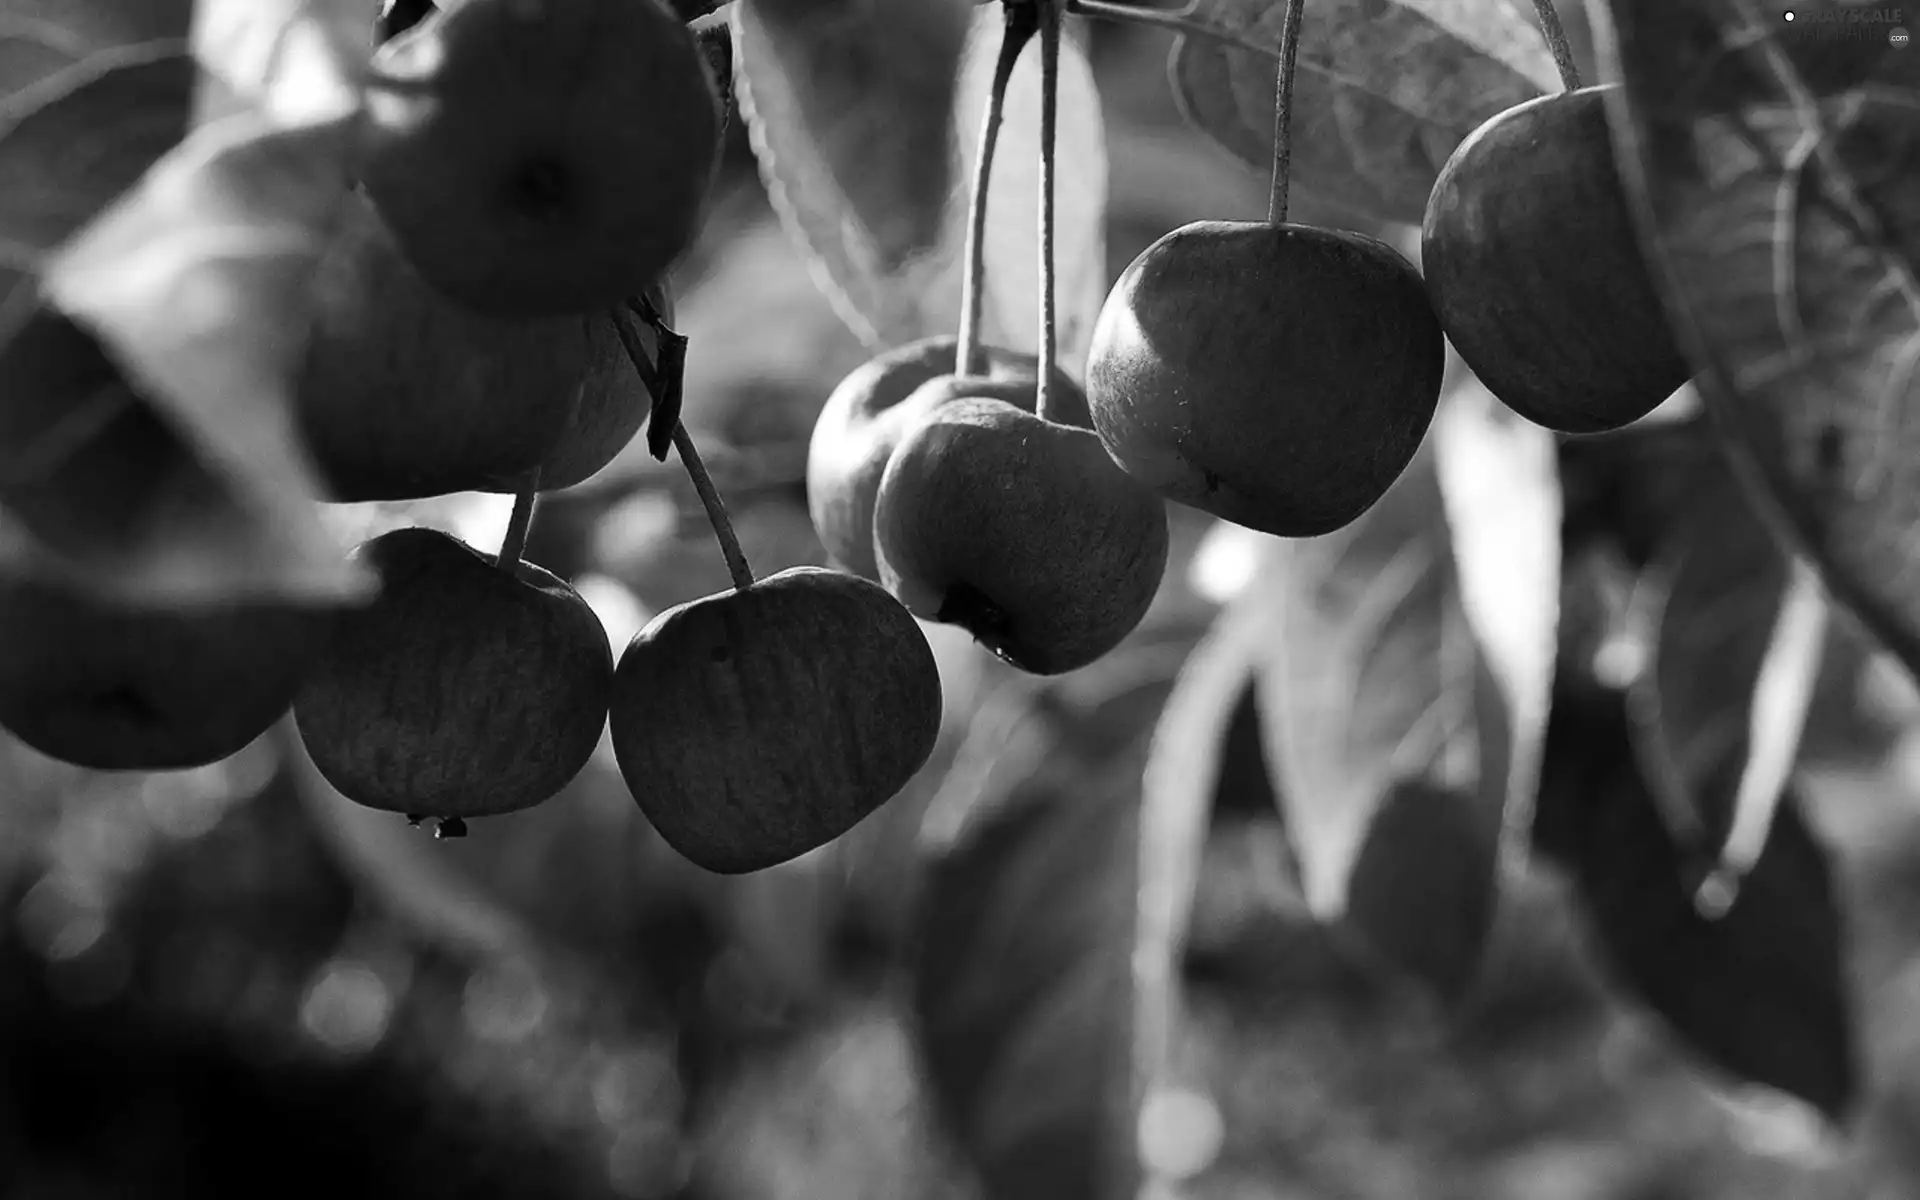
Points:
(514, 544)
(1160, 18)
(716, 508)
(1557, 42)
(1049, 121)
(970, 358)
(1283, 112)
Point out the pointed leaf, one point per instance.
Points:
(1053, 916)
(196, 280)
(1383, 90)
(1777, 180)
(848, 104)
(1373, 680)
(1500, 484)
(1759, 993)
(866, 122)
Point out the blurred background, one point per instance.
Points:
(232, 982)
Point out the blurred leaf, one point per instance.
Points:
(1050, 921)
(1373, 680)
(1777, 179)
(1500, 485)
(1761, 991)
(1013, 229)
(196, 281)
(848, 104)
(1383, 89)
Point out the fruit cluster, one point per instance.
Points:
(492, 315)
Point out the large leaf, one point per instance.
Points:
(1052, 918)
(91, 94)
(865, 120)
(1374, 686)
(1383, 89)
(1777, 180)
(195, 281)
(1758, 991)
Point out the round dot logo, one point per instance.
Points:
(1897, 36)
(1787, 16)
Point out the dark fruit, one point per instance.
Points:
(755, 725)
(538, 157)
(1019, 530)
(1278, 377)
(405, 395)
(612, 407)
(118, 689)
(864, 420)
(461, 690)
(1535, 267)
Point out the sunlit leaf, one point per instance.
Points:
(1373, 682)
(1777, 180)
(1383, 91)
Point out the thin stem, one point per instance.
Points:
(1283, 112)
(1160, 18)
(969, 356)
(514, 544)
(1557, 42)
(1049, 122)
(716, 508)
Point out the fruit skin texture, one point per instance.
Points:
(1019, 530)
(753, 726)
(538, 157)
(112, 688)
(403, 395)
(1535, 267)
(460, 691)
(1278, 377)
(865, 418)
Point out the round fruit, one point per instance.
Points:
(755, 725)
(117, 689)
(462, 690)
(404, 395)
(1017, 529)
(863, 420)
(1535, 267)
(543, 156)
(1278, 377)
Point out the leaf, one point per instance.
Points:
(91, 94)
(865, 119)
(1373, 681)
(848, 105)
(1383, 89)
(1052, 919)
(196, 283)
(1500, 487)
(1761, 992)
(1776, 178)
(1013, 194)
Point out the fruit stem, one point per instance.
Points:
(1283, 112)
(1557, 42)
(1049, 122)
(514, 544)
(716, 508)
(969, 358)
(1160, 18)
